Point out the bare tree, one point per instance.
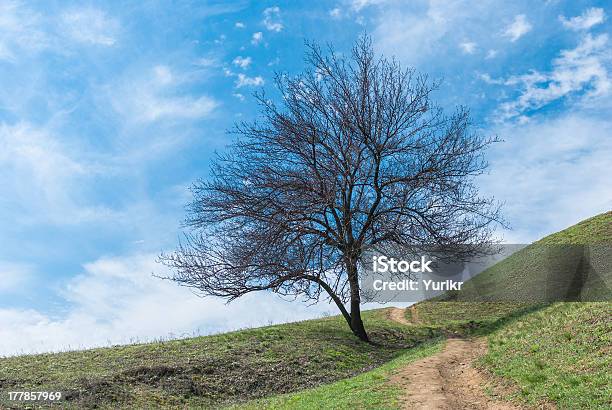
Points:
(355, 155)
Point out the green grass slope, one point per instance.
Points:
(560, 354)
(211, 370)
(573, 264)
(370, 390)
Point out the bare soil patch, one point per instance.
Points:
(398, 315)
(448, 380)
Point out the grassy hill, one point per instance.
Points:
(541, 353)
(559, 354)
(572, 265)
(369, 390)
(212, 370)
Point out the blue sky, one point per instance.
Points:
(110, 110)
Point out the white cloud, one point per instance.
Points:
(419, 34)
(358, 5)
(53, 173)
(25, 31)
(491, 54)
(242, 62)
(156, 97)
(426, 32)
(272, 20)
(206, 62)
(117, 300)
(413, 33)
(35, 149)
(487, 79)
(468, 47)
(246, 81)
(163, 75)
(91, 26)
(154, 108)
(518, 28)
(20, 30)
(243, 80)
(239, 24)
(582, 69)
(256, 38)
(221, 39)
(551, 173)
(335, 13)
(589, 18)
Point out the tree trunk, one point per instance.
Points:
(335, 298)
(353, 319)
(356, 321)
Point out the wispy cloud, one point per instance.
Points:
(157, 96)
(256, 38)
(25, 31)
(206, 62)
(582, 69)
(468, 47)
(272, 20)
(518, 28)
(358, 5)
(155, 107)
(413, 34)
(242, 62)
(20, 30)
(335, 13)
(246, 81)
(54, 174)
(90, 26)
(559, 168)
(589, 18)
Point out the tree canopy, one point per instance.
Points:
(354, 154)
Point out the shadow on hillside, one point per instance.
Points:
(476, 326)
(512, 317)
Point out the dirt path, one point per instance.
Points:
(447, 380)
(397, 315)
